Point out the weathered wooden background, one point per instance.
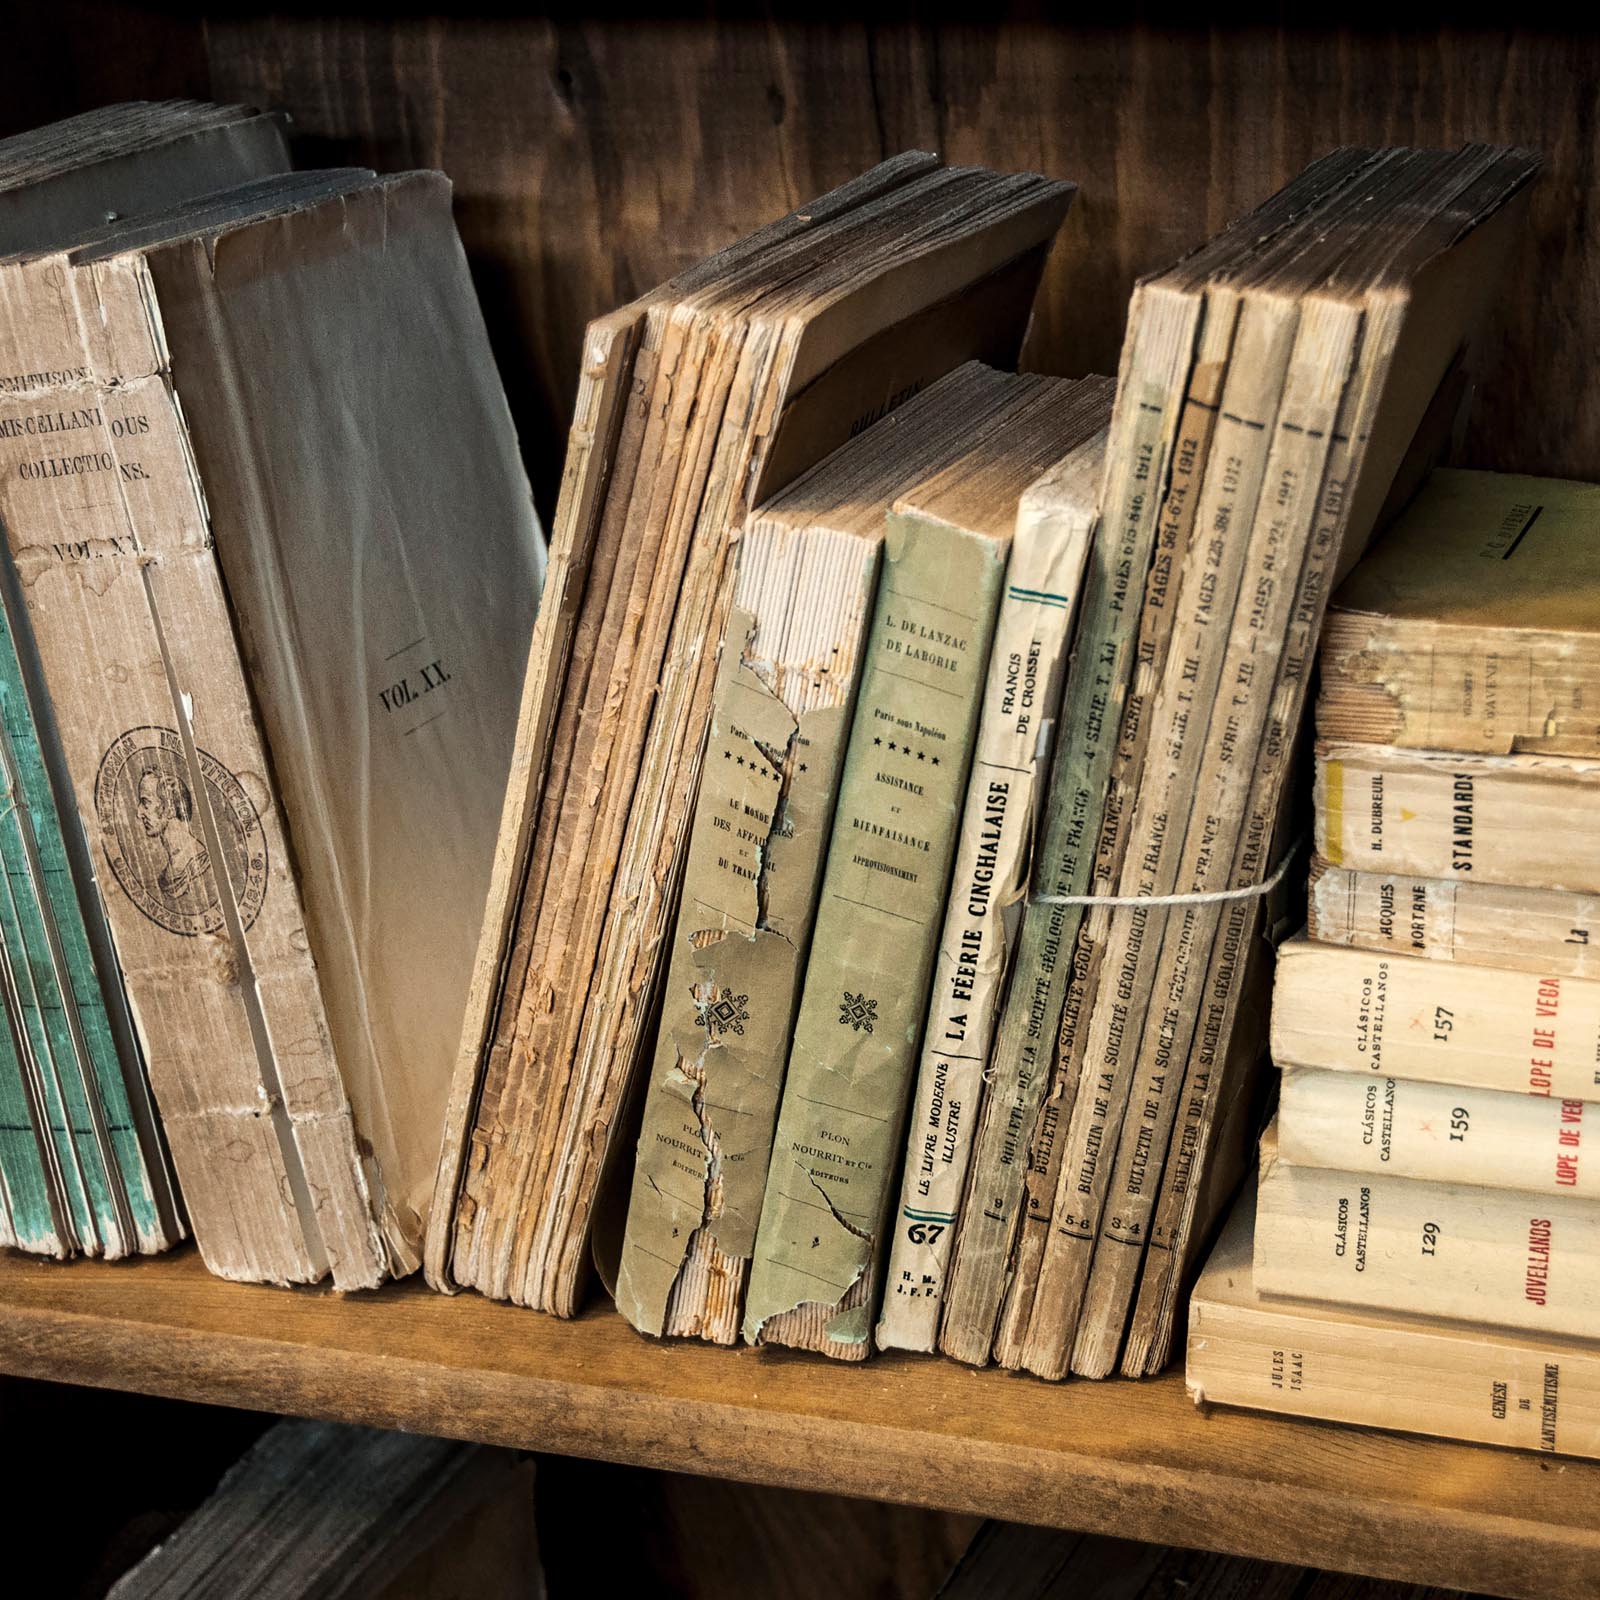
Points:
(594, 157)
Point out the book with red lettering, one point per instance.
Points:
(1449, 1022)
(1460, 1251)
(1437, 1132)
(1525, 1389)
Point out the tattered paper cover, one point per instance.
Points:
(382, 554)
(838, 1144)
(1473, 624)
(108, 531)
(766, 801)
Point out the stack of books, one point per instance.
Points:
(1272, 386)
(1438, 1030)
(696, 404)
(916, 948)
(82, 1164)
(271, 567)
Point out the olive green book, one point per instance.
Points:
(866, 989)
(822, 1239)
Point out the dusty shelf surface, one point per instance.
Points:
(1132, 1459)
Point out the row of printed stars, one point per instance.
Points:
(764, 767)
(905, 749)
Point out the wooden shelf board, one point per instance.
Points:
(1136, 1460)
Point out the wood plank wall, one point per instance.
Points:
(594, 157)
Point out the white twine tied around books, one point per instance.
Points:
(1198, 897)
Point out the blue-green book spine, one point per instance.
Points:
(63, 1012)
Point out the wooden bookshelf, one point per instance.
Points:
(593, 155)
(1136, 1460)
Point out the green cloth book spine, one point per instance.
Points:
(36, 1018)
(63, 1014)
(836, 1156)
(28, 1219)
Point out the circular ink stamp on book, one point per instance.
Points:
(155, 837)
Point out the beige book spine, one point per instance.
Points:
(1213, 1148)
(1388, 1372)
(1191, 448)
(107, 525)
(1215, 1080)
(1270, 644)
(1214, 1139)
(376, 650)
(525, 1080)
(609, 348)
(1138, 453)
(1434, 1132)
(1436, 1021)
(1447, 686)
(1530, 820)
(1456, 919)
(1121, 998)
(1491, 1256)
(1408, 356)
(663, 706)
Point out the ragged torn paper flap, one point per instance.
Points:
(761, 828)
(836, 1149)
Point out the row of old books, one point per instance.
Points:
(271, 571)
(1424, 1247)
(876, 946)
(853, 929)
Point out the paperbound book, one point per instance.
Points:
(823, 1241)
(697, 403)
(1497, 1257)
(1472, 625)
(82, 1165)
(1383, 1370)
(278, 614)
(808, 569)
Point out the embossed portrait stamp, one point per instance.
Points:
(155, 837)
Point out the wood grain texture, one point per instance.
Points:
(1130, 1459)
(592, 159)
(84, 53)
